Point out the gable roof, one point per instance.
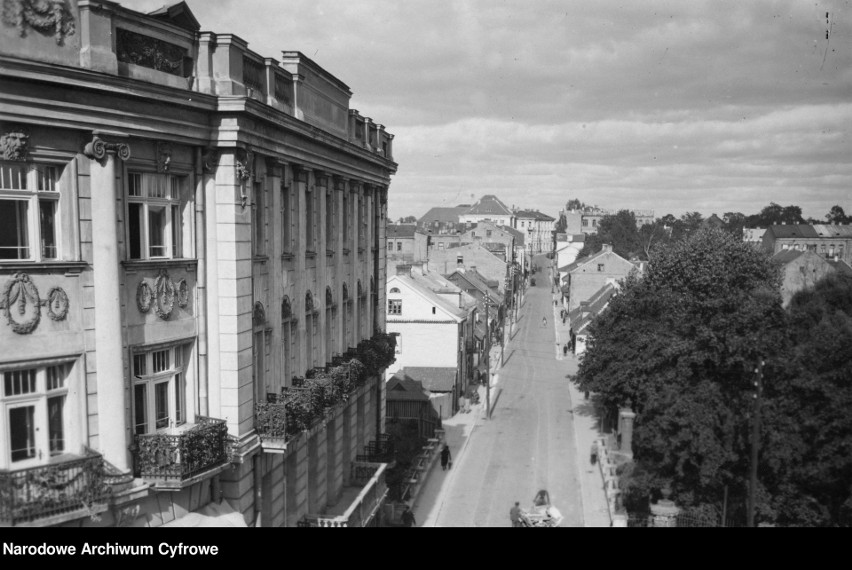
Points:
(404, 388)
(841, 266)
(517, 234)
(400, 230)
(475, 280)
(792, 231)
(489, 204)
(433, 378)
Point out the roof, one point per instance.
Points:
(810, 231)
(786, 256)
(433, 378)
(585, 314)
(517, 234)
(442, 214)
(534, 214)
(415, 283)
(489, 204)
(484, 279)
(404, 388)
(400, 230)
(472, 277)
(841, 266)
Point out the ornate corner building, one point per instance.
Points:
(192, 269)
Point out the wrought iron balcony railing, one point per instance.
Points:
(179, 457)
(27, 495)
(364, 510)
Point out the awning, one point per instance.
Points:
(214, 514)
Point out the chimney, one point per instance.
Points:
(607, 247)
(403, 269)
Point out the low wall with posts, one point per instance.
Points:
(607, 466)
(416, 477)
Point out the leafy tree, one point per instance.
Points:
(679, 346)
(775, 214)
(837, 216)
(809, 444)
(408, 220)
(575, 204)
(734, 222)
(618, 230)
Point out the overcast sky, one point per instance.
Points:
(673, 106)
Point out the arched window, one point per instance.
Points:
(394, 290)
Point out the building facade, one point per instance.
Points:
(203, 228)
(829, 241)
(539, 230)
(406, 244)
(589, 275)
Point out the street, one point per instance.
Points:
(527, 445)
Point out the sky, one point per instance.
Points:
(673, 106)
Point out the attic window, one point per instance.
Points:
(459, 260)
(600, 267)
(433, 310)
(394, 290)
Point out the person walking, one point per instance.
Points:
(544, 322)
(565, 350)
(594, 457)
(408, 517)
(515, 514)
(445, 457)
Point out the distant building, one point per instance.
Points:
(489, 208)
(538, 228)
(471, 256)
(583, 315)
(829, 241)
(800, 270)
(754, 236)
(406, 244)
(590, 218)
(442, 220)
(588, 275)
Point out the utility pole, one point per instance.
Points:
(487, 361)
(755, 443)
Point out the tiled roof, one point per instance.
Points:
(489, 204)
(792, 231)
(400, 230)
(433, 378)
(596, 304)
(517, 234)
(841, 266)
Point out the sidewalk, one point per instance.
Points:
(595, 507)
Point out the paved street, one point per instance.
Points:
(529, 443)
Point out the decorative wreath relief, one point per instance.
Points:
(164, 290)
(182, 293)
(57, 304)
(21, 292)
(143, 297)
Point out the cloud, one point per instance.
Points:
(714, 104)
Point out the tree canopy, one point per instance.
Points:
(679, 345)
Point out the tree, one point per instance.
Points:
(408, 220)
(809, 444)
(679, 345)
(775, 214)
(618, 230)
(575, 204)
(837, 216)
(734, 222)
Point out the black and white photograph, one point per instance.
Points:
(421, 263)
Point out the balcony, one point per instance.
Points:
(49, 494)
(182, 456)
(270, 422)
(381, 450)
(361, 502)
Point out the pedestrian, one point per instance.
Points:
(594, 457)
(515, 514)
(408, 517)
(462, 404)
(445, 458)
(544, 321)
(565, 350)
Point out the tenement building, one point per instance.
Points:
(192, 269)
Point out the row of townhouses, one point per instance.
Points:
(192, 259)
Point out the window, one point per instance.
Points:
(310, 212)
(399, 246)
(585, 222)
(459, 260)
(390, 245)
(156, 208)
(594, 222)
(522, 223)
(329, 217)
(29, 211)
(472, 234)
(394, 290)
(487, 233)
(259, 211)
(441, 246)
(36, 415)
(394, 306)
(286, 219)
(600, 267)
(159, 389)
